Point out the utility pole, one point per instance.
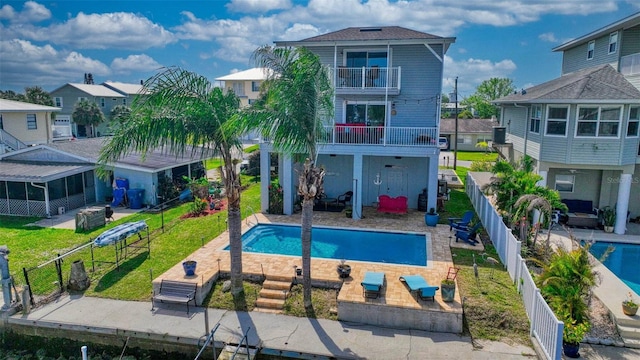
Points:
(455, 136)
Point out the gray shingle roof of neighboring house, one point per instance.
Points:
(19, 106)
(467, 126)
(93, 90)
(38, 171)
(629, 21)
(124, 88)
(598, 84)
(154, 160)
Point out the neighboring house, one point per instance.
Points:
(582, 131)
(246, 85)
(470, 132)
(382, 139)
(69, 94)
(451, 108)
(46, 180)
(617, 44)
(24, 124)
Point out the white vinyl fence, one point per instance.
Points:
(545, 327)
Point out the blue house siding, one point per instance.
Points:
(630, 41)
(576, 58)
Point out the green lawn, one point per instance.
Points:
(476, 156)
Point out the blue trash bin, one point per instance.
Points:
(135, 198)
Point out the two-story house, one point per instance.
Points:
(69, 94)
(23, 124)
(383, 136)
(582, 129)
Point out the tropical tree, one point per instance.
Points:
(183, 112)
(486, 92)
(36, 95)
(297, 97)
(87, 113)
(120, 113)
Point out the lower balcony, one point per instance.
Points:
(360, 134)
(61, 132)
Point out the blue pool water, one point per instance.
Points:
(360, 245)
(623, 262)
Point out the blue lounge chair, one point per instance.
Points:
(461, 222)
(468, 235)
(418, 285)
(372, 284)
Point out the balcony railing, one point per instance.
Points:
(61, 131)
(367, 78)
(630, 64)
(358, 134)
(11, 141)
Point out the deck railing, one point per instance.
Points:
(11, 141)
(359, 134)
(368, 77)
(630, 64)
(544, 325)
(61, 131)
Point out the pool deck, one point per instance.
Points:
(395, 307)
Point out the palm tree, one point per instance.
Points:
(180, 111)
(297, 97)
(87, 113)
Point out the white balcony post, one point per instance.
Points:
(624, 191)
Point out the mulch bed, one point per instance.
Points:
(208, 210)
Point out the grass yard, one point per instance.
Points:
(476, 156)
(323, 300)
(493, 309)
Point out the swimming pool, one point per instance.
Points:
(623, 261)
(334, 243)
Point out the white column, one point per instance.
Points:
(624, 192)
(543, 182)
(286, 180)
(265, 178)
(544, 174)
(356, 200)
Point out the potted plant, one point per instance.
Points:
(629, 306)
(572, 336)
(189, 267)
(608, 218)
(448, 289)
(344, 270)
(348, 212)
(431, 218)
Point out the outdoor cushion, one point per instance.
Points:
(372, 284)
(418, 285)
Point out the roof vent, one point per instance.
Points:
(370, 29)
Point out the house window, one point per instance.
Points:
(32, 124)
(598, 121)
(369, 114)
(251, 101)
(557, 117)
(255, 86)
(464, 139)
(82, 98)
(590, 48)
(536, 115)
(634, 121)
(102, 102)
(565, 183)
(238, 88)
(58, 101)
(124, 101)
(613, 42)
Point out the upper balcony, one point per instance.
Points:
(372, 80)
(630, 64)
(360, 134)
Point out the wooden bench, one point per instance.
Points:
(176, 292)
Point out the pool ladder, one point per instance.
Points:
(247, 219)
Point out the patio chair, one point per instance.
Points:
(372, 284)
(345, 198)
(461, 222)
(468, 235)
(419, 286)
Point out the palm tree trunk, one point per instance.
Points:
(234, 219)
(307, 223)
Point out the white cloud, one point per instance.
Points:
(134, 63)
(44, 65)
(548, 37)
(31, 12)
(7, 12)
(99, 31)
(471, 72)
(257, 6)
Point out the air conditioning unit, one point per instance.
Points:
(61, 210)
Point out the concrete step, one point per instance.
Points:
(273, 294)
(632, 343)
(270, 303)
(633, 321)
(277, 285)
(629, 332)
(281, 278)
(227, 353)
(267, 310)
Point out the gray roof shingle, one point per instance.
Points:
(372, 33)
(599, 83)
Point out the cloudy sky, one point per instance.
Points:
(50, 43)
